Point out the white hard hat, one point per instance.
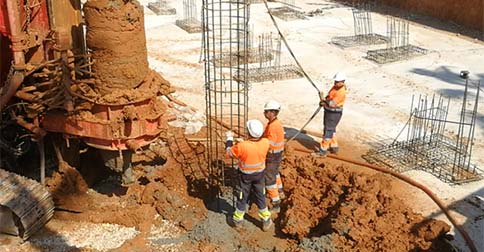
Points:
(339, 76)
(272, 105)
(255, 128)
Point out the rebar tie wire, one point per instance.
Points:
(300, 67)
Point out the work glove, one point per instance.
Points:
(229, 135)
(239, 140)
(322, 101)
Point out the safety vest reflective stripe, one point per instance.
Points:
(276, 144)
(276, 147)
(252, 165)
(274, 186)
(275, 133)
(337, 109)
(251, 168)
(251, 172)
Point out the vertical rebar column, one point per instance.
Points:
(362, 21)
(473, 126)
(225, 28)
(460, 132)
(193, 11)
(278, 51)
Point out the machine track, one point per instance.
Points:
(25, 205)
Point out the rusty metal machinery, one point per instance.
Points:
(95, 87)
(106, 97)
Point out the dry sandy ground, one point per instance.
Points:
(379, 97)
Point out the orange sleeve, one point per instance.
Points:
(340, 98)
(270, 133)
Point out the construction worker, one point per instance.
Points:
(275, 133)
(252, 156)
(333, 110)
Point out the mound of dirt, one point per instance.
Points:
(65, 181)
(357, 209)
(161, 189)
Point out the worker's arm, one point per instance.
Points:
(230, 149)
(339, 99)
(268, 133)
(336, 100)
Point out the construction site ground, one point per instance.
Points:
(331, 205)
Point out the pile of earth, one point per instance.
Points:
(335, 207)
(93, 193)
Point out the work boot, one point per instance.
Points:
(276, 207)
(235, 223)
(334, 150)
(266, 225)
(320, 153)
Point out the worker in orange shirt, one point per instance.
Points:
(251, 155)
(333, 110)
(275, 133)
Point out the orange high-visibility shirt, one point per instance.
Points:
(275, 133)
(251, 154)
(336, 97)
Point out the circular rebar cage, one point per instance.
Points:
(225, 45)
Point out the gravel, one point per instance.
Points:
(98, 237)
(317, 244)
(166, 236)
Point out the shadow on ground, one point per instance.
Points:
(305, 140)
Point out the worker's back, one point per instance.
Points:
(251, 154)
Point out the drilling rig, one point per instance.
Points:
(78, 71)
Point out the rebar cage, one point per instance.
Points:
(398, 44)
(225, 31)
(363, 29)
(434, 143)
(190, 22)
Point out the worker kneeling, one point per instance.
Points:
(251, 155)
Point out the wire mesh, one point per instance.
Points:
(398, 44)
(189, 23)
(269, 68)
(434, 143)
(161, 7)
(363, 29)
(287, 13)
(225, 31)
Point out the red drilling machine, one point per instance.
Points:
(76, 73)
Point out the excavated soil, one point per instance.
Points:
(160, 189)
(335, 207)
(330, 206)
(117, 39)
